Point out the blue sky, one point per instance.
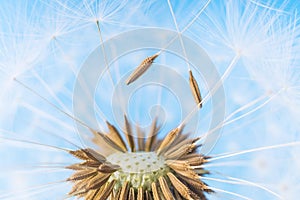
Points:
(243, 53)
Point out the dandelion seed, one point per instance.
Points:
(168, 140)
(141, 174)
(141, 69)
(195, 89)
(129, 135)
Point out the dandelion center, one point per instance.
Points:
(146, 168)
(140, 169)
(137, 162)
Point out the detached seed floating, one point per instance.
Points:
(141, 69)
(195, 89)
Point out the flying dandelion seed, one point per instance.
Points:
(141, 69)
(72, 128)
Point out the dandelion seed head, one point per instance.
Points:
(169, 165)
(139, 169)
(44, 43)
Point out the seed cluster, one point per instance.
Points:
(151, 168)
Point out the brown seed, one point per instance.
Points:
(129, 135)
(160, 193)
(147, 195)
(84, 166)
(141, 69)
(110, 142)
(97, 181)
(90, 164)
(165, 188)
(183, 150)
(117, 195)
(195, 89)
(108, 168)
(81, 154)
(192, 155)
(78, 187)
(182, 168)
(140, 195)
(196, 160)
(196, 192)
(87, 154)
(168, 139)
(178, 164)
(201, 171)
(177, 196)
(76, 166)
(180, 138)
(115, 136)
(131, 194)
(94, 155)
(154, 191)
(176, 146)
(105, 148)
(124, 191)
(151, 136)
(91, 194)
(179, 186)
(94, 194)
(187, 173)
(82, 174)
(197, 184)
(106, 192)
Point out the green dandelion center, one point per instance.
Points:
(140, 169)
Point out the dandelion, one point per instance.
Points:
(168, 167)
(63, 72)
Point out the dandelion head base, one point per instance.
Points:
(139, 164)
(141, 168)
